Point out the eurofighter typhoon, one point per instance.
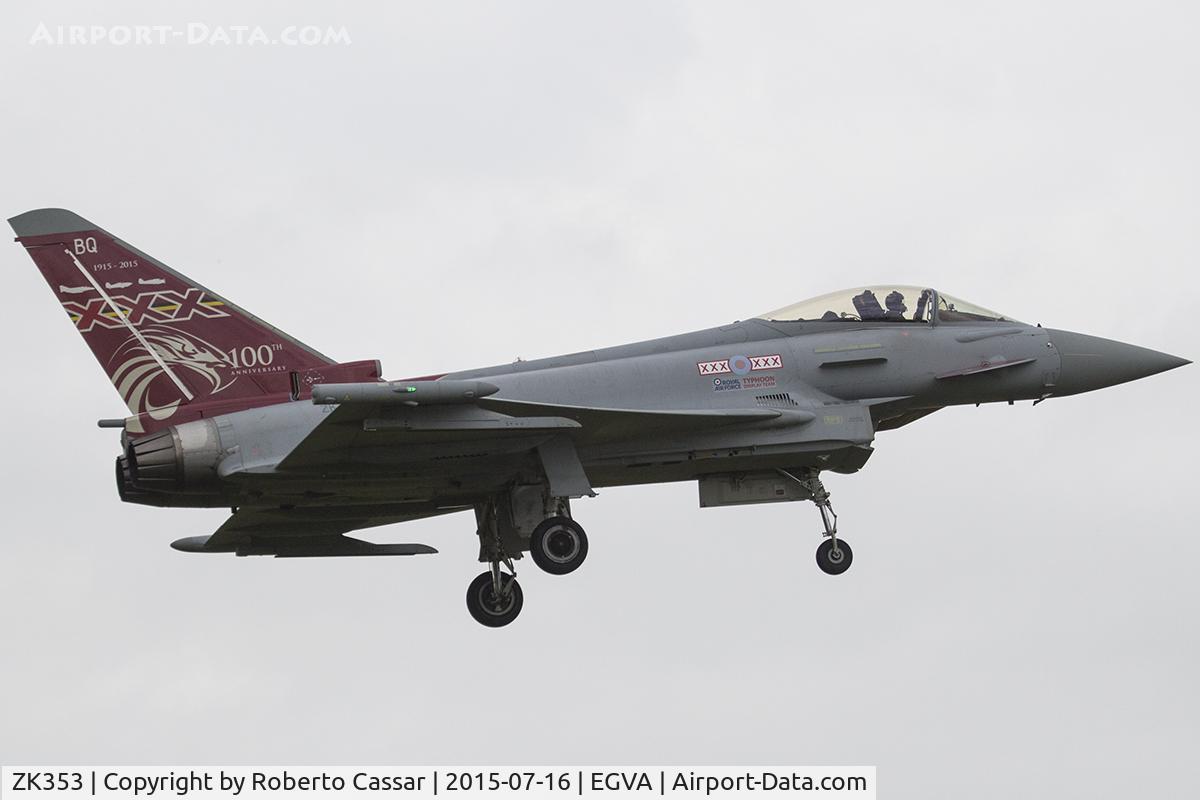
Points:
(227, 411)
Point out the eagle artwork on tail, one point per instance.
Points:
(138, 370)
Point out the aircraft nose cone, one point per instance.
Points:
(1090, 362)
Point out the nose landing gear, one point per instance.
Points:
(834, 554)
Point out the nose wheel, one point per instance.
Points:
(834, 556)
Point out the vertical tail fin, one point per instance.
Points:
(165, 341)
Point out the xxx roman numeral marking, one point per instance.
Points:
(167, 305)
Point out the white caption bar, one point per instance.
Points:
(409, 783)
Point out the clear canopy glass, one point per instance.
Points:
(883, 303)
(866, 303)
(951, 309)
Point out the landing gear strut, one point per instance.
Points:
(833, 555)
(494, 598)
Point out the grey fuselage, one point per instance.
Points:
(831, 386)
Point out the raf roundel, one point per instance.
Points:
(740, 365)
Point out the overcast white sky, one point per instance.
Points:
(466, 183)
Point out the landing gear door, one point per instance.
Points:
(563, 470)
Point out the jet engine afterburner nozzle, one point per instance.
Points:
(178, 460)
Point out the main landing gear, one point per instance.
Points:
(834, 554)
(495, 598)
(557, 544)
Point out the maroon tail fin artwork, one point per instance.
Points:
(173, 349)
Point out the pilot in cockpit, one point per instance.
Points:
(895, 306)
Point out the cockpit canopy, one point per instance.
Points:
(884, 303)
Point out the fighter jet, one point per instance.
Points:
(227, 411)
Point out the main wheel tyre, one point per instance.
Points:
(834, 562)
(558, 545)
(489, 609)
